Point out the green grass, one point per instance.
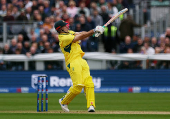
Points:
(104, 101)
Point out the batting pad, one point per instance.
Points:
(89, 91)
(71, 93)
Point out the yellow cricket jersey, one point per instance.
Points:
(70, 49)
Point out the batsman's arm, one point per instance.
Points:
(78, 33)
(82, 35)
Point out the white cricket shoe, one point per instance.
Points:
(64, 107)
(91, 109)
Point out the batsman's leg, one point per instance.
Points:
(71, 94)
(89, 85)
(89, 91)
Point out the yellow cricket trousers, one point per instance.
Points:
(80, 76)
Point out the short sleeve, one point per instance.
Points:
(66, 40)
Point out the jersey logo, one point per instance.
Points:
(73, 68)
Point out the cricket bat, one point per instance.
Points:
(114, 18)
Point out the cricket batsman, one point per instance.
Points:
(77, 67)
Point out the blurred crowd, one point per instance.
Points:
(81, 15)
(148, 46)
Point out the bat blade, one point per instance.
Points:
(116, 16)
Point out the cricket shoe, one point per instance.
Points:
(64, 107)
(91, 109)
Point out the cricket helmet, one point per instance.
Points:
(59, 24)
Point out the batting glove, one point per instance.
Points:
(98, 31)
